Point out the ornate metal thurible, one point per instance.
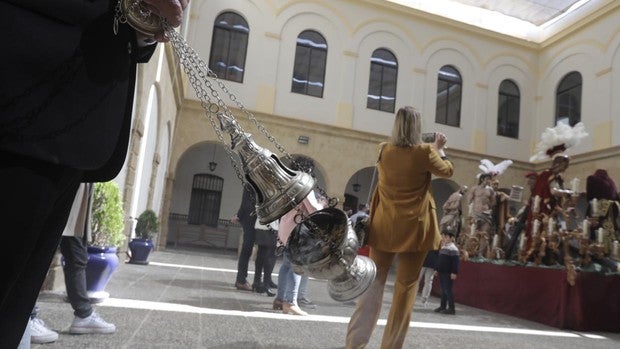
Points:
(137, 15)
(278, 189)
(324, 246)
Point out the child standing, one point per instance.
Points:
(447, 268)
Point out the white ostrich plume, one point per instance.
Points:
(494, 170)
(558, 139)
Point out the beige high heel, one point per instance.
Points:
(288, 308)
(277, 304)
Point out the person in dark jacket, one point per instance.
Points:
(428, 274)
(66, 98)
(447, 268)
(246, 216)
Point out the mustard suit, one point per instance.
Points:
(404, 224)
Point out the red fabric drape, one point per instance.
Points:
(542, 295)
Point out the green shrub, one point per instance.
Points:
(148, 225)
(107, 216)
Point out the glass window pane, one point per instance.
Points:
(508, 110)
(442, 102)
(508, 87)
(316, 75)
(229, 46)
(219, 49)
(374, 87)
(382, 81)
(575, 106)
(448, 108)
(388, 95)
(312, 39)
(570, 81)
(568, 99)
(454, 105)
(300, 69)
(309, 66)
(236, 63)
(448, 73)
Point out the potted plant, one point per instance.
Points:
(142, 245)
(107, 225)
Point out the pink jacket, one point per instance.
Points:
(287, 222)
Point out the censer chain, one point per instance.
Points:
(200, 77)
(198, 63)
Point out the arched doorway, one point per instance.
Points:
(441, 189)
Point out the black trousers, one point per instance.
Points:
(447, 296)
(265, 257)
(74, 250)
(249, 237)
(37, 199)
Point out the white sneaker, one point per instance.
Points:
(91, 324)
(39, 334)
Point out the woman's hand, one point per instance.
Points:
(440, 141)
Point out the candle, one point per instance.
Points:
(594, 204)
(536, 204)
(536, 227)
(495, 240)
(551, 226)
(472, 229)
(600, 234)
(575, 185)
(586, 229)
(522, 240)
(615, 251)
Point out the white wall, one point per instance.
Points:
(353, 30)
(164, 157)
(144, 167)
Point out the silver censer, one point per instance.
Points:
(278, 189)
(323, 245)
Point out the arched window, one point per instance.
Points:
(449, 90)
(568, 99)
(229, 46)
(310, 60)
(508, 109)
(206, 197)
(382, 81)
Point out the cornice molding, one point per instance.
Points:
(301, 125)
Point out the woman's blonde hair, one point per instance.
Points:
(407, 127)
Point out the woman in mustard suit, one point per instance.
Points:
(403, 223)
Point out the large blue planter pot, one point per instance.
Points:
(140, 250)
(102, 262)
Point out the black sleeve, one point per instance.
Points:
(455, 264)
(247, 205)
